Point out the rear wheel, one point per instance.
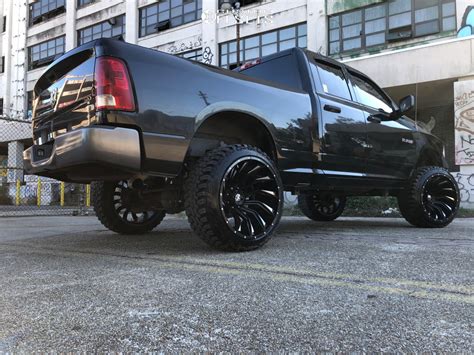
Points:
(321, 206)
(117, 205)
(233, 198)
(431, 198)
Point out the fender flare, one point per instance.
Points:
(231, 106)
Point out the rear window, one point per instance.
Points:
(281, 70)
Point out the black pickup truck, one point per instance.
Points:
(159, 134)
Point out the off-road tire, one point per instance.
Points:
(308, 204)
(410, 200)
(103, 202)
(203, 200)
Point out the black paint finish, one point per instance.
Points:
(318, 139)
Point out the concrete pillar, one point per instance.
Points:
(464, 138)
(15, 162)
(6, 51)
(15, 105)
(131, 21)
(317, 26)
(210, 41)
(71, 33)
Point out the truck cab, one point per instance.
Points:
(354, 132)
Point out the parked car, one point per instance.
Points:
(159, 134)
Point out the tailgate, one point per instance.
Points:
(64, 97)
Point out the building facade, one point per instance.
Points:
(421, 47)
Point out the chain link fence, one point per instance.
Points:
(29, 195)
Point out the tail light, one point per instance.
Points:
(113, 85)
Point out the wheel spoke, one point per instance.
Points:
(439, 211)
(443, 206)
(262, 205)
(267, 193)
(119, 208)
(260, 222)
(246, 221)
(125, 215)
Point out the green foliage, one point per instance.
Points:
(465, 213)
(367, 206)
(372, 206)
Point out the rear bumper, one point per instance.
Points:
(86, 154)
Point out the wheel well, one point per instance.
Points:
(231, 127)
(429, 158)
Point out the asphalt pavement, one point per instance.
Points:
(355, 284)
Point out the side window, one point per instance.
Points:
(282, 70)
(332, 79)
(370, 95)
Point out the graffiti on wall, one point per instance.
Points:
(178, 47)
(467, 24)
(466, 186)
(207, 55)
(464, 122)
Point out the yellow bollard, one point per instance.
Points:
(62, 195)
(88, 195)
(38, 193)
(18, 186)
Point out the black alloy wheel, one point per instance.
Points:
(430, 199)
(321, 206)
(126, 202)
(440, 198)
(234, 198)
(118, 207)
(249, 198)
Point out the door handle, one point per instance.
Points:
(332, 108)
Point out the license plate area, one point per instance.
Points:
(42, 152)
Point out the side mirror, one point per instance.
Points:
(406, 104)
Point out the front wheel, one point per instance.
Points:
(321, 206)
(430, 199)
(233, 198)
(117, 205)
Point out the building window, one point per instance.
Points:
(192, 55)
(4, 24)
(81, 3)
(2, 65)
(42, 10)
(44, 53)
(113, 28)
(1, 106)
(168, 14)
(29, 105)
(388, 22)
(263, 44)
(242, 2)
